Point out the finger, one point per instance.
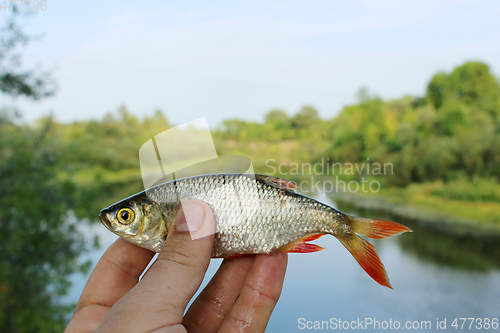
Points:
(115, 274)
(208, 311)
(259, 294)
(159, 300)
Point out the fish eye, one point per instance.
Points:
(125, 215)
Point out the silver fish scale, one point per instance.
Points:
(252, 216)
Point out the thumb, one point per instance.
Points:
(178, 272)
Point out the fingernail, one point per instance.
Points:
(192, 217)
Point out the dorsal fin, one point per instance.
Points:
(278, 183)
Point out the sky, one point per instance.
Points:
(240, 59)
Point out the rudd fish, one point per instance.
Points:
(254, 214)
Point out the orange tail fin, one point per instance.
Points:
(377, 228)
(364, 252)
(367, 257)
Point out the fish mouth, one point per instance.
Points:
(104, 220)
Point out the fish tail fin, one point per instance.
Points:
(367, 257)
(364, 253)
(376, 228)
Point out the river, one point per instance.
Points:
(437, 280)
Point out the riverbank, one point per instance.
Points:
(426, 213)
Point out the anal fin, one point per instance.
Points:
(311, 238)
(304, 248)
(301, 246)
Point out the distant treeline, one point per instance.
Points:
(452, 133)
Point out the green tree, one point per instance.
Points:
(305, 117)
(39, 244)
(277, 124)
(276, 116)
(471, 84)
(437, 89)
(14, 80)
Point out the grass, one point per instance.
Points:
(427, 195)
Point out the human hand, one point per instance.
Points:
(240, 297)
